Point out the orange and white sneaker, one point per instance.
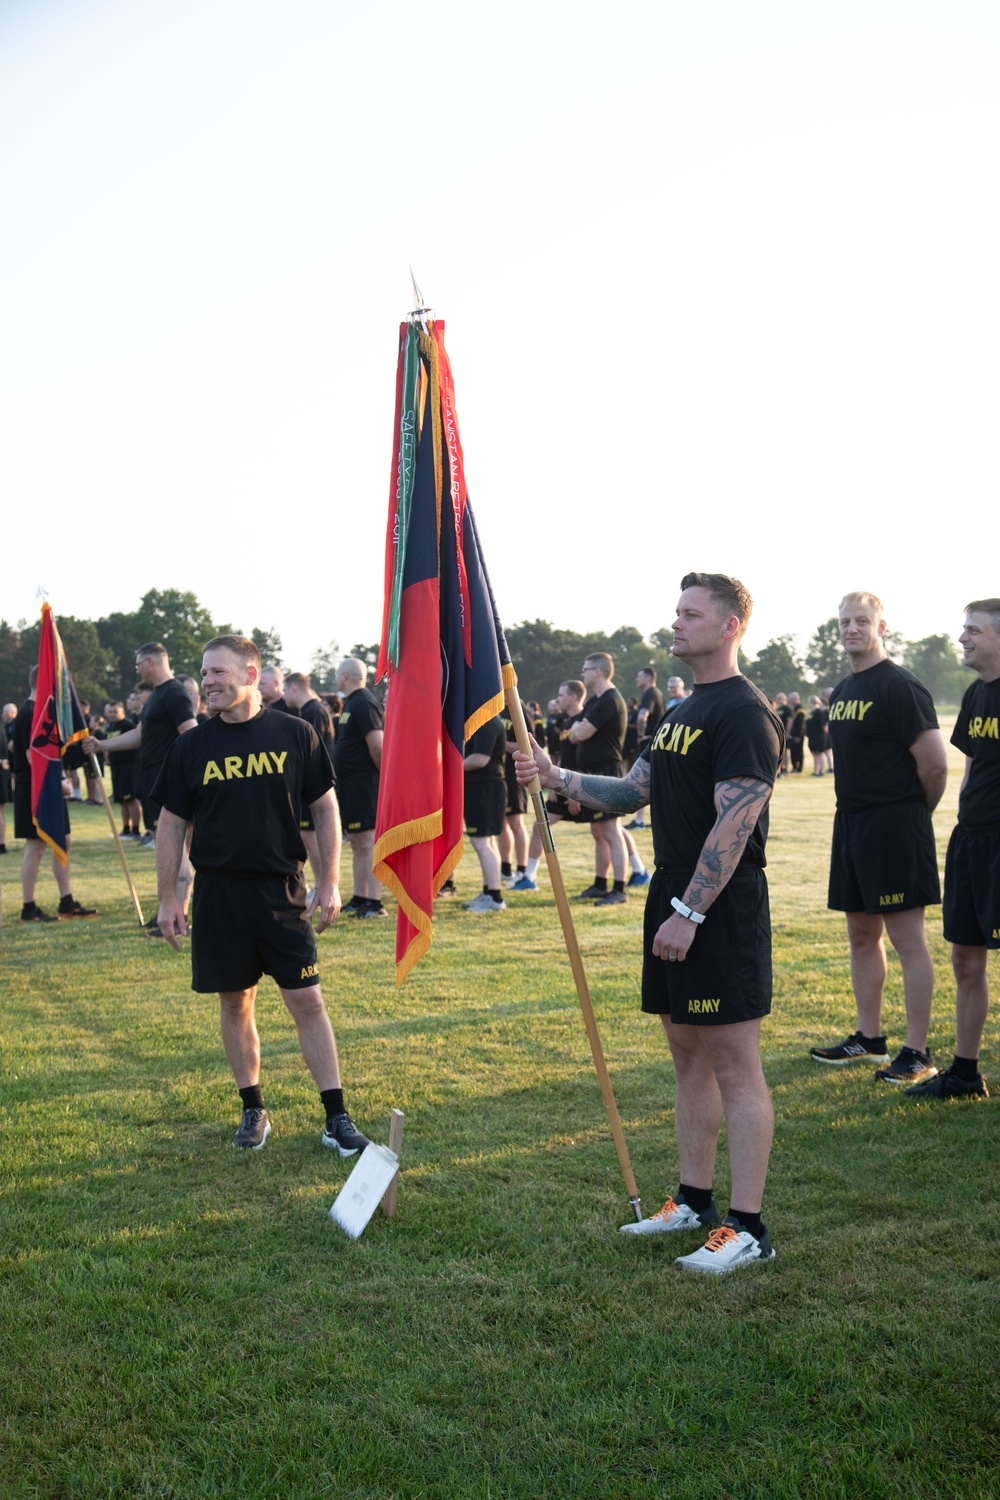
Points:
(675, 1214)
(726, 1248)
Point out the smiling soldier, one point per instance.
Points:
(241, 776)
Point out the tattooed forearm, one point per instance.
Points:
(608, 793)
(738, 805)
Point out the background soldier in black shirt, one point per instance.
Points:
(568, 708)
(599, 737)
(301, 699)
(357, 760)
(972, 868)
(272, 688)
(241, 778)
(890, 769)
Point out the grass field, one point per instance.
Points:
(178, 1320)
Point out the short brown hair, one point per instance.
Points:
(240, 645)
(989, 607)
(297, 679)
(733, 596)
(602, 659)
(575, 686)
(151, 648)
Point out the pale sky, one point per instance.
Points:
(719, 282)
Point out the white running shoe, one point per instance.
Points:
(726, 1248)
(674, 1215)
(484, 904)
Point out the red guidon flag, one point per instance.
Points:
(57, 724)
(443, 648)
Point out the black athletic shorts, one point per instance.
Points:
(241, 929)
(357, 797)
(24, 825)
(726, 976)
(485, 802)
(124, 782)
(972, 888)
(517, 798)
(884, 860)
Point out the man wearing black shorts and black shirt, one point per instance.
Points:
(485, 807)
(650, 713)
(514, 837)
(890, 770)
(123, 789)
(707, 776)
(241, 778)
(972, 866)
(357, 760)
(599, 737)
(301, 699)
(570, 709)
(24, 823)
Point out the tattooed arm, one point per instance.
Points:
(738, 805)
(607, 793)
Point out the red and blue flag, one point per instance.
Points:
(57, 724)
(443, 649)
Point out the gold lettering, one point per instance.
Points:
(212, 773)
(279, 760)
(863, 709)
(234, 765)
(309, 971)
(690, 735)
(257, 765)
(851, 709)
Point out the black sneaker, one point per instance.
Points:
(612, 898)
(354, 908)
(857, 1048)
(341, 1134)
(254, 1130)
(34, 913)
(910, 1066)
(592, 892)
(948, 1085)
(373, 911)
(74, 909)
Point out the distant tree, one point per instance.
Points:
(323, 667)
(935, 661)
(15, 660)
(826, 658)
(896, 645)
(172, 616)
(268, 643)
(544, 656)
(777, 668)
(88, 661)
(367, 654)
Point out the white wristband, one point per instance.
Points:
(693, 916)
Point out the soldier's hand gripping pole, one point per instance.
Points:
(575, 956)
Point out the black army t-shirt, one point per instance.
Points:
(316, 713)
(977, 734)
(875, 716)
(601, 755)
(721, 731)
(166, 709)
(489, 739)
(361, 713)
(652, 702)
(243, 785)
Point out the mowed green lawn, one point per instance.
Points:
(181, 1320)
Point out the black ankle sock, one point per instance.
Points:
(750, 1222)
(696, 1198)
(333, 1101)
(65, 902)
(27, 907)
(505, 869)
(601, 882)
(252, 1096)
(495, 894)
(880, 1039)
(373, 903)
(522, 869)
(966, 1068)
(620, 885)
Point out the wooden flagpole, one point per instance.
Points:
(575, 957)
(118, 842)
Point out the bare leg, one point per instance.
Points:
(907, 936)
(239, 1035)
(602, 854)
(735, 1054)
(616, 847)
(868, 969)
(519, 836)
(505, 843)
(489, 861)
(362, 847)
(697, 1105)
(971, 998)
(30, 861)
(316, 1039)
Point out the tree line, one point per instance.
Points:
(101, 653)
